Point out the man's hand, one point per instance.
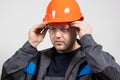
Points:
(83, 28)
(37, 34)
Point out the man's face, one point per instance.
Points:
(62, 36)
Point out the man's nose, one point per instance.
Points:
(58, 33)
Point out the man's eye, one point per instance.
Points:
(53, 29)
(64, 30)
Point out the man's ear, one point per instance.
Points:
(77, 31)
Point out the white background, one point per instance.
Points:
(18, 16)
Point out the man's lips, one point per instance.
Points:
(58, 42)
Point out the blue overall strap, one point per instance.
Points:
(31, 68)
(86, 70)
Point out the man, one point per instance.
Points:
(70, 58)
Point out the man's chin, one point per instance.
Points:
(60, 48)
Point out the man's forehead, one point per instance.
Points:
(60, 23)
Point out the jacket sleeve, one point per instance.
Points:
(16, 64)
(102, 63)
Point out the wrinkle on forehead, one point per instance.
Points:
(60, 24)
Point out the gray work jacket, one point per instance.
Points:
(91, 63)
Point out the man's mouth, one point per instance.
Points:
(58, 42)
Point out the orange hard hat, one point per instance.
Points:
(63, 11)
